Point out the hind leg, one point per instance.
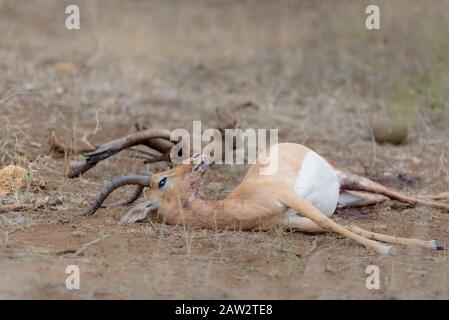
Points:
(350, 181)
(347, 198)
(351, 198)
(440, 196)
(307, 225)
(430, 244)
(302, 224)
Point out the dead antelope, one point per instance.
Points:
(302, 194)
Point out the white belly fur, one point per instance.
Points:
(317, 183)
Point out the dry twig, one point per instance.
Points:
(80, 251)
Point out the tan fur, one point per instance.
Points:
(258, 203)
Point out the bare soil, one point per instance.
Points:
(314, 72)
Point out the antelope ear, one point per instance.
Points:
(138, 213)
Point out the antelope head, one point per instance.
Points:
(180, 182)
(169, 188)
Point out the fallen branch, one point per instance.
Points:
(158, 140)
(21, 207)
(83, 247)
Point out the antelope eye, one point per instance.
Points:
(162, 183)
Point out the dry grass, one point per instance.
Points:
(317, 74)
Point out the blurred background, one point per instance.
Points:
(313, 62)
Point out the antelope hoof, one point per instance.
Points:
(138, 213)
(388, 251)
(437, 245)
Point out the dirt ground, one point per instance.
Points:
(312, 69)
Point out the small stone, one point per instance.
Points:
(387, 131)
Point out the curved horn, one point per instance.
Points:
(133, 197)
(141, 180)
